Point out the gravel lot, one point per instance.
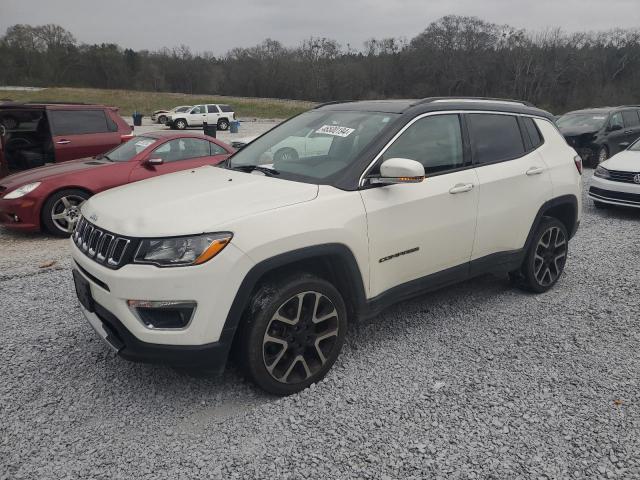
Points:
(476, 381)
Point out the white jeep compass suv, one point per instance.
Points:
(272, 256)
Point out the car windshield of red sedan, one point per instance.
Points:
(126, 151)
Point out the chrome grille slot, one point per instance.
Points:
(117, 252)
(104, 247)
(101, 246)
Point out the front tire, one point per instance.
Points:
(61, 211)
(546, 257)
(603, 154)
(292, 333)
(162, 119)
(181, 124)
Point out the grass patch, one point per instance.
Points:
(146, 102)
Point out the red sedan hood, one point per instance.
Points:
(42, 173)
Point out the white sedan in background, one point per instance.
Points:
(161, 116)
(617, 181)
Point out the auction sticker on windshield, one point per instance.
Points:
(336, 130)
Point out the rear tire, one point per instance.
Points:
(292, 333)
(546, 256)
(61, 211)
(223, 124)
(180, 124)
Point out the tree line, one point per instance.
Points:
(454, 55)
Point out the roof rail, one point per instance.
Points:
(332, 103)
(472, 99)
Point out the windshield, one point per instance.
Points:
(315, 145)
(126, 151)
(582, 121)
(182, 109)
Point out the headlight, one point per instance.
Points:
(22, 191)
(182, 251)
(601, 172)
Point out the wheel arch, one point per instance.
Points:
(564, 208)
(333, 262)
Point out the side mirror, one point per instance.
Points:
(154, 161)
(399, 170)
(613, 128)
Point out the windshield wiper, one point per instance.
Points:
(270, 172)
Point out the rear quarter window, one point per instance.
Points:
(630, 118)
(532, 131)
(79, 122)
(494, 137)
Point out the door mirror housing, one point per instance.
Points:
(399, 170)
(154, 161)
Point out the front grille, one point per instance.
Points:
(104, 247)
(621, 197)
(626, 177)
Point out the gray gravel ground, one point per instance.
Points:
(477, 381)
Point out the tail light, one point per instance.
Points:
(125, 138)
(578, 161)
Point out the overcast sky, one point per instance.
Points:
(217, 26)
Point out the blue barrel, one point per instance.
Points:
(234, 126)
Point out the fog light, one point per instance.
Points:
(163, 314)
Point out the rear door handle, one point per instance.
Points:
(535, 171)
(461, 188)
(63, 142)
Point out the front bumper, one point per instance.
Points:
(213, 286)
(124, 343)
(614, 193)
(20, 214)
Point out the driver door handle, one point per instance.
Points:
(535, 171)
(63, 142)
(461, 188)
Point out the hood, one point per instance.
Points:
(579, 137)
(43, 173)
(191, 201)
(625, 161)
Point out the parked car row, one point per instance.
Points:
(332, 215)
(186, 116)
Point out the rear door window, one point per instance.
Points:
(79, 122)
(212, 109)
(494, 138)
(630, 118)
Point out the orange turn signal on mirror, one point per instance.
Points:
(212, 250)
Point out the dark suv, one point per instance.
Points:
(598, 133)
(33, 135)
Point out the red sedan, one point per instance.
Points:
(50, 197)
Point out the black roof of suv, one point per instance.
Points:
(431, 104)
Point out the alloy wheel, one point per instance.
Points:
(550, 256)
(300, 337)
(66, 212)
